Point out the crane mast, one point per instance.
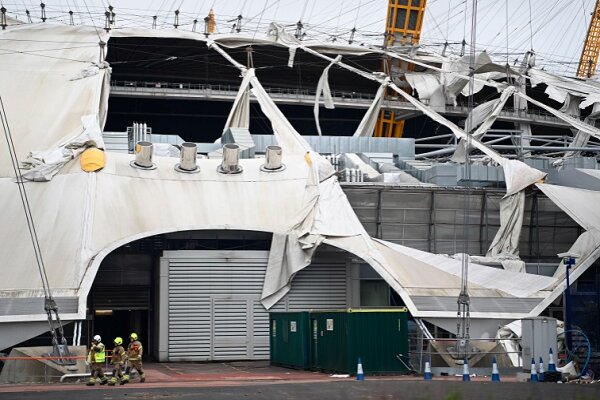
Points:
(591, 48)
(403, 27)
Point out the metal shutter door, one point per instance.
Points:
(214, 302)
(213, 298)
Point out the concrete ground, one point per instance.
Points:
(258, 380)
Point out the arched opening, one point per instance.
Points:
(195, 295)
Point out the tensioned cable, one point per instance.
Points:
(357, 13)
(260, 19)
(463, 299)
(530, 27)
(448, 20)
(303, 10)
(92, 18)
(465, 22)
(506, 2)
(25, 201)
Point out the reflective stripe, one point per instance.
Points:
(99, 357)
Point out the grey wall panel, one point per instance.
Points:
(214, 309)
(406, 199)
(320, 286)
(35, 305)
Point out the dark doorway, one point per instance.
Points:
(110, 324)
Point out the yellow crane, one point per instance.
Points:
(404, 23)
(591, 47)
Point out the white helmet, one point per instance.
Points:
(97, 338)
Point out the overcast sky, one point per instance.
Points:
(555, 29)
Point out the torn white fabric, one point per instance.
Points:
(43, 105)
(584, 247)
(512, 283)
(510, 336)
(278, 34)
(239, 116)
(517, 174)
(288, 255)
(335, 216)
(367, 124)
(481, 81)
(579, 204)
(582, 138)
(86, 73)
(323, 89)
(292, 56)
(450, 75)
(571, 105)
(212, 45)
(43, 165)
(559, 87)
(576, 123)
(427, 86)
(330, 215)
(454, 84)
(480, 120)
(480, 114)
(507, 262)
(506, 241)
(287, 137)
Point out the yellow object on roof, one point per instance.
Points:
(92, 160)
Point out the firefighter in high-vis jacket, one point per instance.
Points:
(134, 357)
(96, 358)
(119, 356)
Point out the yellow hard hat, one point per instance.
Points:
(118, 340)
(133, 336)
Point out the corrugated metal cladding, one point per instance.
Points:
(433, 220)
(214, 309)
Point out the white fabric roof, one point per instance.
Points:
(81, 217)
(44, 95)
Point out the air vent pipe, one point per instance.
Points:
(143, 156)
(187, 160)
(231, 158)
(273, 160)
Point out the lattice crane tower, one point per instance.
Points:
(403, 27)
(591, 49)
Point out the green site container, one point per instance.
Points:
(289, 339)
(378, 337)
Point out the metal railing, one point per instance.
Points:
(231, 90)
(308, 95)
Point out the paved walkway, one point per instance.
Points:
(171, 375)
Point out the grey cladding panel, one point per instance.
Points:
(403, 200)
(35, 305)
(366, 214)
(405, 216)
(362, 198)
(478, 304)
(405, 232)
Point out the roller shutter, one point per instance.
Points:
(214, 302)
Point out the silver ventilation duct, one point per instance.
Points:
(143, 156)
(231, 158)
(273, 160)
(187, 161)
